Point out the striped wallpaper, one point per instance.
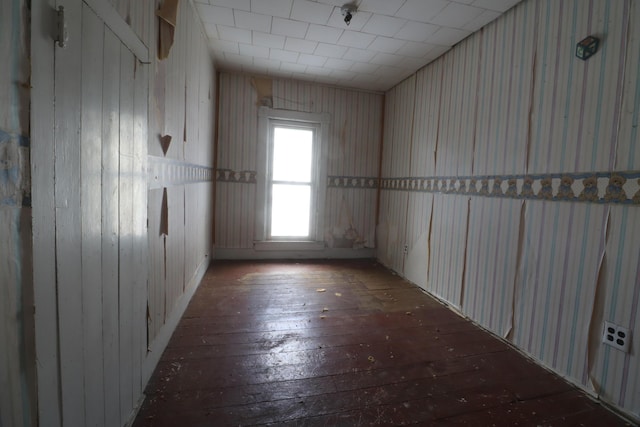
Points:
(353, 154)
(511, 102)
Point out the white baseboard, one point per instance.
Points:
(326, 253)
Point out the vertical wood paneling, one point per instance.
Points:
(126, 268)
(426, 117)
(68, 220)
(454, 155)
(43, 202)
(515, 100)
(353, 150)
(139, 226)
(628, 154)
(493, 235)
(91, 156)
(615, 373)
(503, 88)
(183, 98)
(448, 246)
(110, 192)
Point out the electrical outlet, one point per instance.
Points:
(406, 249)
(616, 336)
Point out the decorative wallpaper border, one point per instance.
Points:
(242, 177)
(367, 182)
(165, 172)
(597, 187)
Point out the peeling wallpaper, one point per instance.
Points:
(352, 161)
(510, 172)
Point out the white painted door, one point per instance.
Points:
(91, 311)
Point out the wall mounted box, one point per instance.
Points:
(587, 47)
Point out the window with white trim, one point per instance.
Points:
(291, 176)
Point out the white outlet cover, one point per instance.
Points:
(616, 336)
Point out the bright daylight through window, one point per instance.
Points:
(291, 182)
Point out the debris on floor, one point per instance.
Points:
(321, 290)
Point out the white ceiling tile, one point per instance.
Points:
(234, 34)
(226, 46)
(238, 59)
(448, 36)
(322, 33)
(497, 5)
(386, 59)
(411, 63)
(383, 7)
(338, 64)
(416, 31)
(281, 8)
(386, 41)
(288, 27)
(212, 31)
(344, 74)
(293, 68)
(361, 55)
(309, 11)
(268, 40)
(355, 39)
(357, 22)
(364, 67)
(482, 20)
(415, 49)
(252, 21)
(313, 60)
(319, 71)
(384, 25)
(437, 51)
(232, 4)
(332, 2)
(251, 50)
(300, 45)
(386, 44)
(456, 15)
(267, 64)
(330, 50)
(421, 10)
(283, 55)
(215, 14)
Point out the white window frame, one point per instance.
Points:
(267, 118)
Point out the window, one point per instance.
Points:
(291, 176)
(291, 183)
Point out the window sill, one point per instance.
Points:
(280, 245)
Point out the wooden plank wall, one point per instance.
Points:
(183, 107)
(17, 357)
(96, 344)
(509, 104)
(353, 154)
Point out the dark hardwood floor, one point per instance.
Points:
(344, 343)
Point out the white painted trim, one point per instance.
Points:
(326, 253)
(156, 348)
(322, 120)
(274, 245)
(119, 26)
(43, 225)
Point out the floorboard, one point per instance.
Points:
(344, 343)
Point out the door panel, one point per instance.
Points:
(101, 92)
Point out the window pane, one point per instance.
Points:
(290, 210)
(292, 150)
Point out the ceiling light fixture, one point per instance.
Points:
(348, 10)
